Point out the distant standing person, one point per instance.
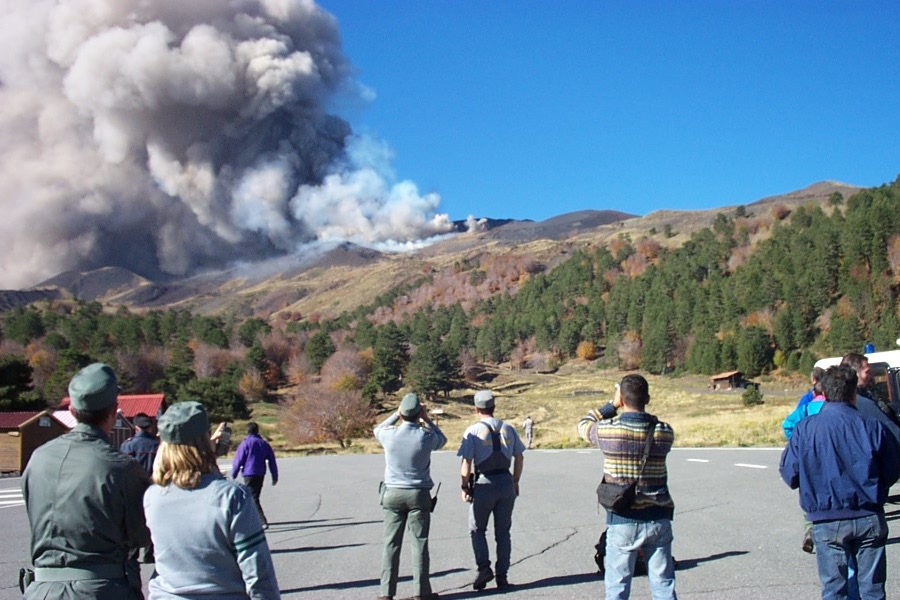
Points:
(647, 523)
(142, 447)
(488, 449)
(207, 533)
(251, 457)
(405, 498)
(845, 503)
(221, 439)
(528, 426)
(84, 502)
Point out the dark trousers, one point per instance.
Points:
(255, 483)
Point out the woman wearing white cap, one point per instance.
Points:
(206, 529)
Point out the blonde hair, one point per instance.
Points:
(183, 464)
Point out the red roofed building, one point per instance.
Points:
(21, 433)
(151, 405)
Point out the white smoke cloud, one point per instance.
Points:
(474, 225)
(166, 136)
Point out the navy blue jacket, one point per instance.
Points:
(142, 447)
(843, 461)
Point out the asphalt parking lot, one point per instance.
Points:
(737, 528)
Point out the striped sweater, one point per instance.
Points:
(621, 438)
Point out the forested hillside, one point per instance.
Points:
(754, 292)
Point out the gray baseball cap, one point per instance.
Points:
(484, 399)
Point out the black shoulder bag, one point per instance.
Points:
(617, 497)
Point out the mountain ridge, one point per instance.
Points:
(340, 276)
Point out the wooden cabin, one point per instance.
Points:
(21, 433)
(726, 381)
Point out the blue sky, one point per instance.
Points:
(531, 109)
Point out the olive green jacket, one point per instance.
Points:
(85, 506)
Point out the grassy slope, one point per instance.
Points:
(700, 416)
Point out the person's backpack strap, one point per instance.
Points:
(648, 441)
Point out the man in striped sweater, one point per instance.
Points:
(647, 524)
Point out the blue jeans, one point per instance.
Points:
(402, 508)
(842, 542)
(497, 498)
(623, 540)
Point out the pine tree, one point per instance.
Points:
(390, 358)
(318, 349)
(432, 369)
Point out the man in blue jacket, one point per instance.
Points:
(251, 458)
(142, 447)
(144, 444)
(844, 462)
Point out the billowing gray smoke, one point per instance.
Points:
(170, 135)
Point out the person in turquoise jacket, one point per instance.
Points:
(807, 408)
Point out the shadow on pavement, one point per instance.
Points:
(283, 526)
(363, 583)
(549, 582)
(689, 563)
(312, 548)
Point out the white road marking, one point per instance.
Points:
(699, 460)
(749, 466)
(10, 498)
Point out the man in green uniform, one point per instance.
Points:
(85, 502)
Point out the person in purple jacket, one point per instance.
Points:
(251, 456)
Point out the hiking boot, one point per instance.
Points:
(502, 582)
(481, 581)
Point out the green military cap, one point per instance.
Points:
(94, 388)
(409, 406)
(183, 423)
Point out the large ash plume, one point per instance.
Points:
(168, 135)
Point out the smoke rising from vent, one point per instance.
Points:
(170, 135)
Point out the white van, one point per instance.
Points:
(885, 375)
(891, 358)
